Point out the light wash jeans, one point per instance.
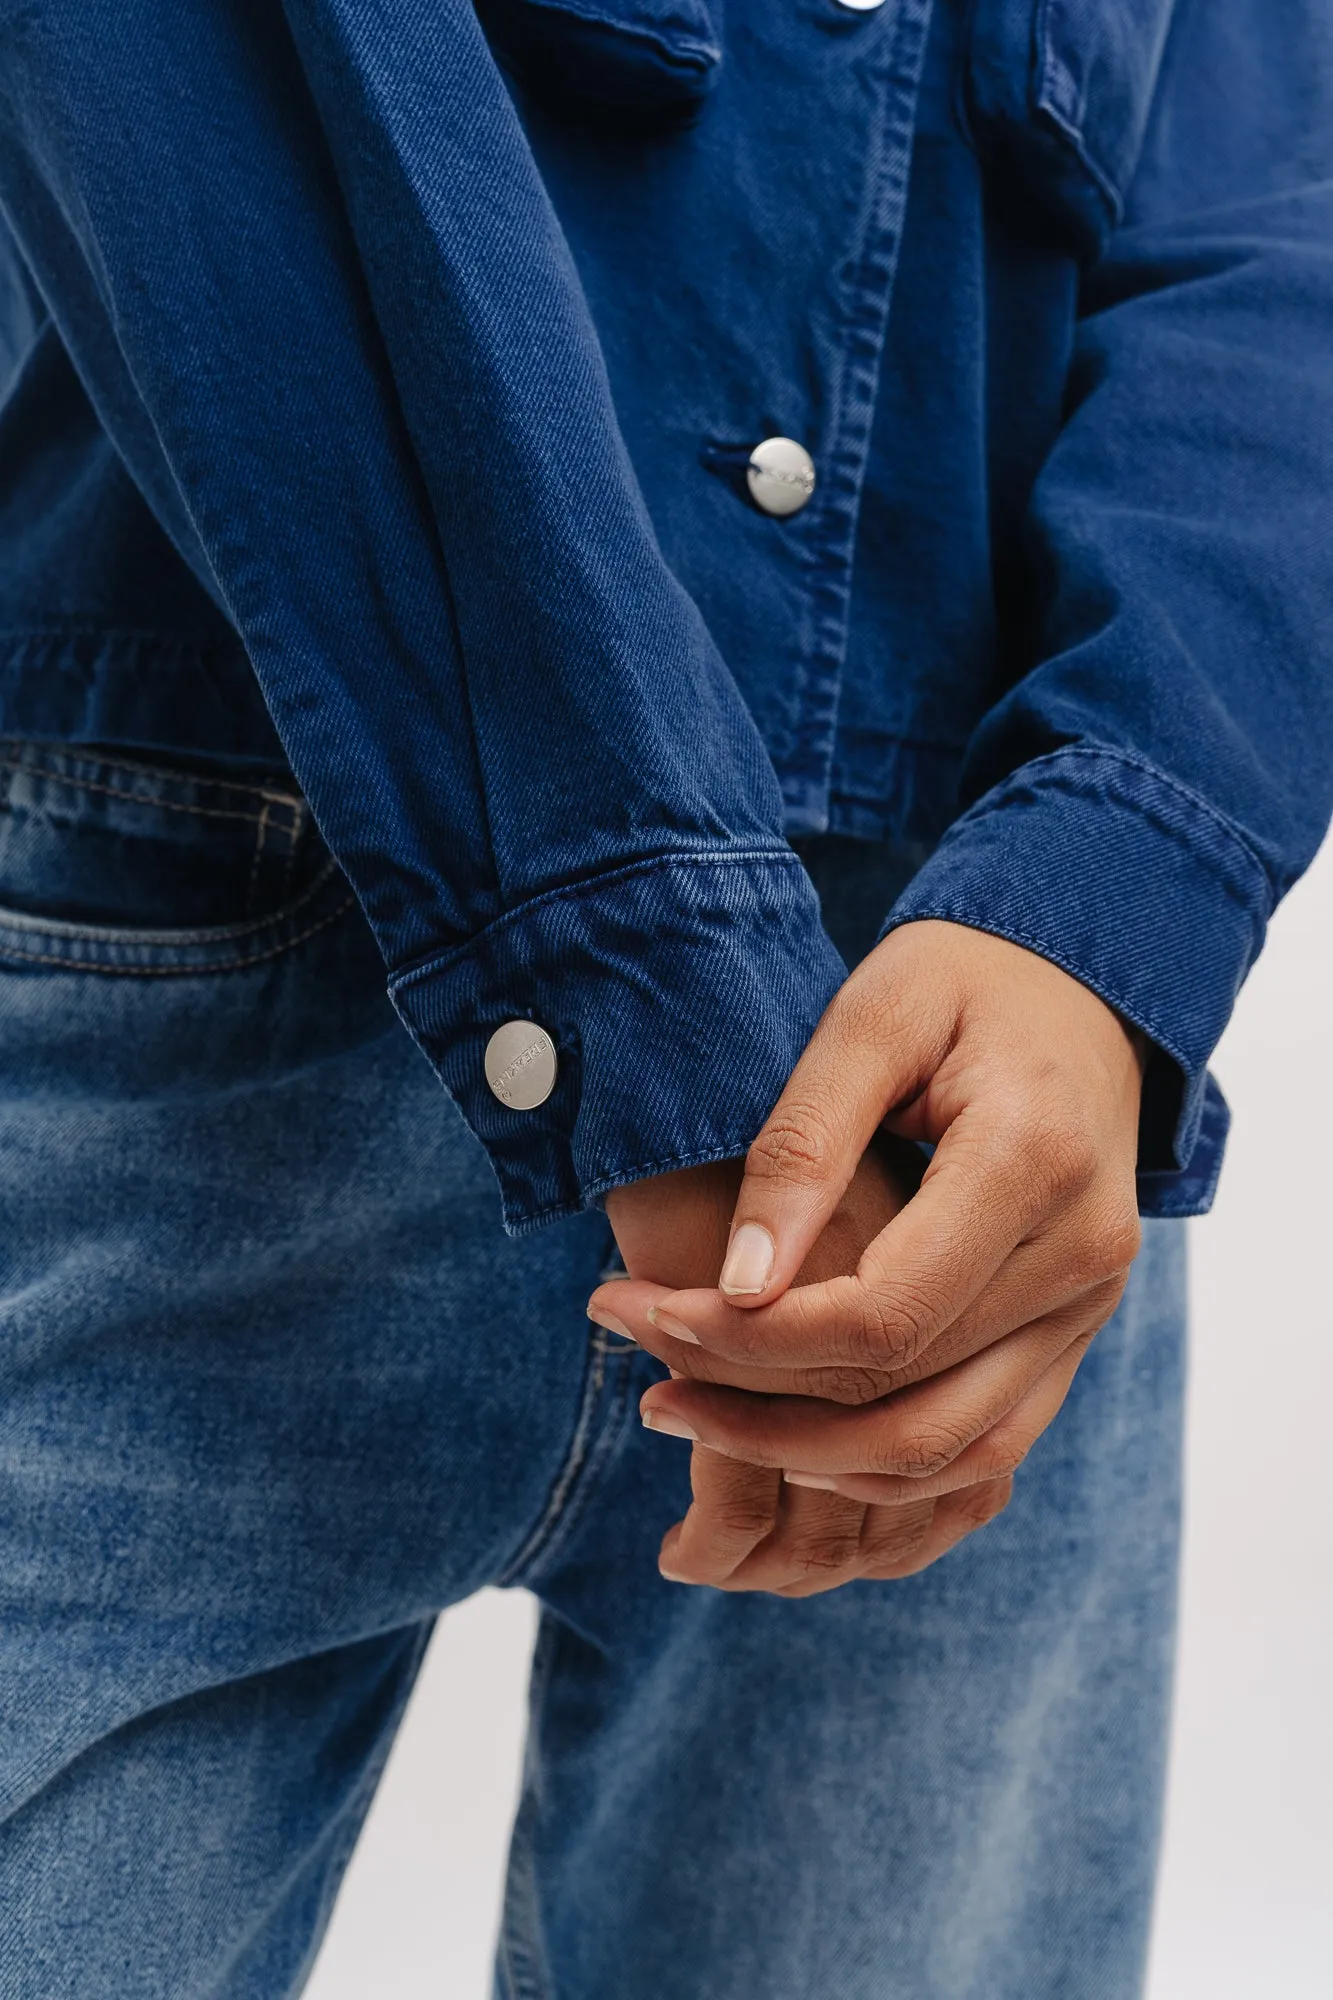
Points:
(274, 1389)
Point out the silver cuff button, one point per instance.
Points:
(780, 475)
(521, 1065)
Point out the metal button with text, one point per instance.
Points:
(521, 1065)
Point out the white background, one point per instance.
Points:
(1246, 1910)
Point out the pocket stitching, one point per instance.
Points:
(173, 971)
(167, 805)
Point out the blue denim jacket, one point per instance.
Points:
(402, 361)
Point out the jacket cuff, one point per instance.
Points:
(679, 994)
(1144, 892)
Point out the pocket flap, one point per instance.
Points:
(1069, 84)
(626, 59)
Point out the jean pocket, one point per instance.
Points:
(112, 864)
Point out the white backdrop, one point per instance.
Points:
(1246, 1910)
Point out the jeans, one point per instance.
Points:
(275, 1388)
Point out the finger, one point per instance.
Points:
(995, 1455)
(914, 1433)
(839, 1326)
(956, 1516)
(914, 1280)
(987, 1190)
(815, 1541)
(735, 1508)
(624, 1308)
(1085, 1313)
(900, 1541)
(876, 1044)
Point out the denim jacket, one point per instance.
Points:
(381, 379)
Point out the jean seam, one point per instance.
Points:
(256, 861)
(685, 860)
(587, 1449)
(167, 805)
(525, 1221)
(103, 971)
(1051, 772)
(294, 832)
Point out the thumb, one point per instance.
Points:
(867, 1055)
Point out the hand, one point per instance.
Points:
(746, 1529)
(993, 1279)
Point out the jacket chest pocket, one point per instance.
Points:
(634, 63)
(1064, 89)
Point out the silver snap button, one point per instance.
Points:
(780, 475)
(521, 1065)
(861, 6)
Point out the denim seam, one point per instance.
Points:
(685, 51)
(592, 886)
(54, 927)
(103, 971)
(543, 1530)
(529, 1220)
(698, 1159)
(256, 860)
(588, 1448)
(139, 635)
(167, 805)
(294, 832)
(1047, 771)
(1058, 96)
(544, 1527)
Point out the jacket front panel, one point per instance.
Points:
(414, 410)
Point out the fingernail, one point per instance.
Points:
(676, 1329)
(611, 1323)
(662, 1420)
(811, 1479)
(671, 1575)
(749, 1262)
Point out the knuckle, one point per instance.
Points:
(924, 1450)
(1054, 1151)
(896, 1539)
(875, 1013)
(822, 1554)
(849, 1385)
(892, 1329)
(980, 1504)
(796, 1147)
(1004, 1452)
(1062, 1153)
(1107, 1250)
(743, 1517)
(1120, 1240)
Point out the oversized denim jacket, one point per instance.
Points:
(380, 377)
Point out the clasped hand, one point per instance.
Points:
(885, 1345)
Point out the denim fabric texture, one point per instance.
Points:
(275, 1387)
(378, 384)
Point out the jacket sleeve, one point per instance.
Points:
(307, 270)
(1162, 772)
